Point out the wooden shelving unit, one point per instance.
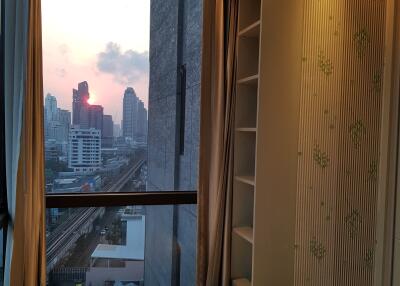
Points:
(246, 129)
(246, 118)
(249, 80)
(246, 179)
(241, 282)
(245, 232)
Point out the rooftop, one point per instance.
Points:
(134, 248)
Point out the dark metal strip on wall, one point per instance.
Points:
(97, 199)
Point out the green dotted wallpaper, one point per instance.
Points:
(338, 152)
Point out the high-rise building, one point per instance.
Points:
(108, 126)
(117, 130)
(134, 122)
(84, 149)
(141, 121)
(172, 163)
(95, 113)
(84, 114)
(64, 116)
(51, 150)
(80, 105)
(57, 121)
(130, 103)
(107, 132)
(50, 108)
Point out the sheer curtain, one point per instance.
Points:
(216, 145)
(25, 254)
(16, 24)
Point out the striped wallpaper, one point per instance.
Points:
(338, 150)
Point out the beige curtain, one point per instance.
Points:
(216, 143)
(28, 265)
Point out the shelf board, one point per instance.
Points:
(245, 232)
(241, 282)
(246, 129)
(252, 30)
(246, 179)
(250, 80)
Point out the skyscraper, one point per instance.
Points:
(95, 114)
(50, 108)
(117, 130)
(64, 116)
(141, 121)
(80, 105)
(57, 121)
(134, 121)
(107, 132)
(130, 103)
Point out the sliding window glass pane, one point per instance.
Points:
(121, 101)
(121, 94)
(109, 246)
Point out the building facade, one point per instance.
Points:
(96, 116)
(173, 138)
(142, 121)
(56, 127)
(80, 105)
(50, 108)
(107, 132)
(129, 110)
(84, 149)
(117, 130)
(134, 121)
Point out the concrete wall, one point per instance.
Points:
(167, 169)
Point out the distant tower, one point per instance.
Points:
(50, 106)
(129, 116)
(80, 105)
(107, 132)
(141, 121)
(117, 130)
(95, 116)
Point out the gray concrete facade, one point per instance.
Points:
(175, 41)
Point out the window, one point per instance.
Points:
(121, 101)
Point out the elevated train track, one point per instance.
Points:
(81, 220)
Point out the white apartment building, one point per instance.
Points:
(84, 149)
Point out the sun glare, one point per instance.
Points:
(92, 99)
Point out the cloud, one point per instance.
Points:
(61, 72)
(126, 67)
(63, 49)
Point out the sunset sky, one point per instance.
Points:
(103, 42)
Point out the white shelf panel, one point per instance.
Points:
(250, 180)
(241, 282)
(252, 31)
(250, 80)
(246, 129)
(245, 232)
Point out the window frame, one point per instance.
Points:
(3, 183)
(112, 199)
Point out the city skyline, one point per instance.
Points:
(56, 103)
(111, 59)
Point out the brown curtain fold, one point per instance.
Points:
(28, 266)
(216, 142)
